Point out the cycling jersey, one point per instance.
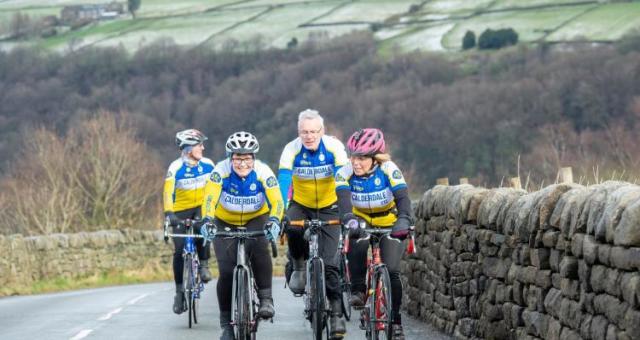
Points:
(184, 184)
(236, 200)
(372, 195)
(311, 172)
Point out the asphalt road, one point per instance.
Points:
(144, 312)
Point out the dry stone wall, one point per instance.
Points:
(29, 259)
(26, 260)
(559, 263)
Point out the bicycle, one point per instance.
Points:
(245, 302)
(376, 315)
(193, 285)
(315, 295)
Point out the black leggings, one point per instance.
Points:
(203, 252)
(327, 239)
(391, 250)
(258, 254)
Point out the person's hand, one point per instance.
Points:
(173, 219)
(272, 228)
(401, 228)
(208, 230)
(350, 221)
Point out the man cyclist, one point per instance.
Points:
(243, 193)
(308, 164)
(371, 187)
(183, 197)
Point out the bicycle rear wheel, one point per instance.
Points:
(381, 308)
(345, 286)
(318, 299)
(241, 305)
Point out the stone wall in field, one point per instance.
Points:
(26, 260)
(30, 259)
(559, 263)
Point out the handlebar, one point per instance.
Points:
(313, 223)
(245, 235)
(411, 247)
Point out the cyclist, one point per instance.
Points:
(183, 197)
(243, 192)
(308, 164)
(373, 189)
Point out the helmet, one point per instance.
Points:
(189, 137)
(242, 142)
(366, 142)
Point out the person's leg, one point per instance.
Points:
(357, 257)
(329, 238)
(178, 266)
(298, 248)
(391, 250)
(204, 252)
(225, 251)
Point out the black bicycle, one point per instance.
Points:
(315, 297)
(193, 285)
(245, 302)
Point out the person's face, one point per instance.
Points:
(242, 164)
(310, 132)
(361, 165)
(196, 152)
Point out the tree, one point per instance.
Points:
(133, 6)
(469, 40)
(496, 39)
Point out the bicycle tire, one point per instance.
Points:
(382, 305)
(345, 287)
(241, 304)
(187, 279)
(318, 302)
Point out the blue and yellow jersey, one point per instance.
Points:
(372, 195)
(237, 200)
(184, 184)
(311, 172)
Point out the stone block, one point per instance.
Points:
(540, 258)
(552, 302)
(631, 323)
(604, 254)
(569, 334)
(570, 288)
(554, 260)
(577, 241)
(611, 307)
(625, 258)
(598, 277)
(570, 313)
(599, 327)
(543, 279)
(590, 249)
(569, 267)
(535, 323)
(630, 288)
(550, 238)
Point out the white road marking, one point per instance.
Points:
(110, 314)
(134, 301)
(83, 333)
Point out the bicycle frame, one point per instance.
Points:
(310, 303)
(243, 269)
(193, 285)
(376, 316)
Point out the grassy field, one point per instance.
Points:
(437, 25)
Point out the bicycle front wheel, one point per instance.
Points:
(345, 286)
(318, 299)
(241, 305)
(188, 282)
(381, 308)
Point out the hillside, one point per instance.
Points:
(436, 25)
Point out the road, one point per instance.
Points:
(144, 312)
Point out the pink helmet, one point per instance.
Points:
(366, 142)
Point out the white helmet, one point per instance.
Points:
(189, 137)
(242, 142)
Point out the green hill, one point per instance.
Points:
(436, 25)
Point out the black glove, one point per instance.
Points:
(400, 229)
(173, 219)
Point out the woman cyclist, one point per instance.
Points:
(183, 198)
(243, 192)
(372, 188)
